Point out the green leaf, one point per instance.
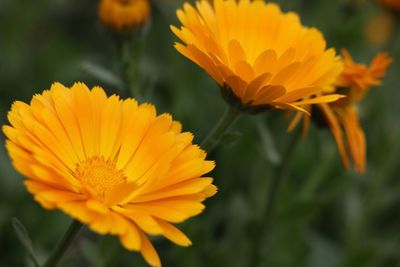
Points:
(25, 240)
(102, 74)
(269, 150)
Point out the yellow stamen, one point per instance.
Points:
(99, 176)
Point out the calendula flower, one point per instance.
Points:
(259, 56)
(341, 116)
(391, 4)
(124, 14)
(111, 164)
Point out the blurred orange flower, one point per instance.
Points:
(391, 4)
(380, 28)
(124, 14)
(260, 56)
(111, 164)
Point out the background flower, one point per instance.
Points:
(124, 14)
(391, 4)
(110, 163)
(360, 76)
(342, 116)
(380, 28)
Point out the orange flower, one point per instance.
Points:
(341, 116)
(260, 56)
(110, 163)
(360, 76)
(124, 14)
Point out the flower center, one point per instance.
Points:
(99, 176)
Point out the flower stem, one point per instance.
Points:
(129, 60)
(225, 122)
(263, 226)
(63, 244)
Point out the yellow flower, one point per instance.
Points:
(341, 116)
(124, 14)
(260, 56)
(112, 164)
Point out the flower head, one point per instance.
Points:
(259, 56)
(342, 116)
(112, 164)
(124, 14)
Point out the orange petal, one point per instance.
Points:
(319, 99)
(268, 94)
(148, 251)
(174, 234)
(336, 132)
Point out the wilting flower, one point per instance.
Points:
(341, 116)
(360, 76)
(112, 164)
(259, 56)
(124, 14)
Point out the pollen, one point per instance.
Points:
(99, 176)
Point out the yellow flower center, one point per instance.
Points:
(99, 176)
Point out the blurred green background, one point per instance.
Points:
(325, 216)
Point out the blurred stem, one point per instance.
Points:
(263, 226)
(34, 261)
(230, 116)
(63, 244)
(25, 240)
(129, 53)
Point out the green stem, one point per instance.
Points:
(63, 244)
(34, 260)
(129, 60)
(263, 226)
(225, 122)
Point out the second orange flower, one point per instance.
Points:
(260, 56)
